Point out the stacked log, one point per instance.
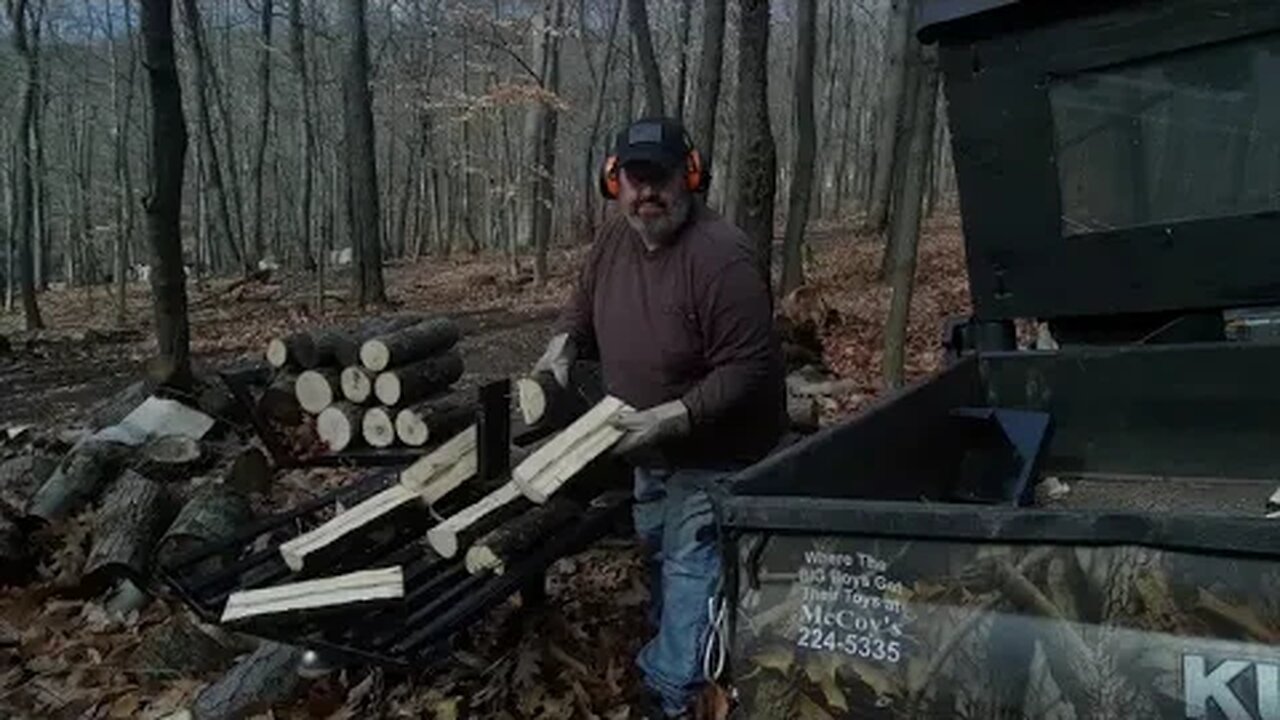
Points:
(382, 383)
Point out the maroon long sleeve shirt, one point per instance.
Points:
(691, 320)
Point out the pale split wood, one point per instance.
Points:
(357, 384)
(417, 475)
(532, 400)
(549, 467)
(377, 427)
(355, 587)
(295, 551)
(444, 537)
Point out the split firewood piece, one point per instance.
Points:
(77, 479)
(377, 427)
(442, 417)
(279, 402)
(552, 465)
(491, 552)
(215, 512)
(544, 403)
(357, 384)
(134, 514)
(357, 587)
(260, 680)
(339, 425)
(460, 528)
(317, 389)
(427, 480)
(409, 344)
(410, 383)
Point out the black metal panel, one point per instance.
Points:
(878, 453)
(1020, 263)
(917, 521)
(1192, 410)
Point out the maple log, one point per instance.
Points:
(363, 586)
(20, 476)
(134, 514)
(215, 512)
(317, 389)
(409, 344)
(419, 424)
(169, 457)
(309, 349)
(268, 676)
(377, 428)
(279, 402)
(357, 384)
(492, 551)
(457, 531)
(411, 383)
(544, 403)
(339, 425)
(77, 480)
(250, 472)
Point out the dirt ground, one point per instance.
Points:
(62, 656)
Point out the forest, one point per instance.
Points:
(187, 183)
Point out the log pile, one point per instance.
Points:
(380, 384)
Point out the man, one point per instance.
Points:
(672, 302)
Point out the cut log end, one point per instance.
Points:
(410, 428)
(356, 385)
(481, 559)
(375, 355)
(387, 388)
(335, 429)
(443, 540)
(171, 450)
(379, 430)
(277, 353)
(314, 391)
(533, 400)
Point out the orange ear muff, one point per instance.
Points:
(610, 186)
(693, 173)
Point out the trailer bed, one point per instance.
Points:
(1208, 496)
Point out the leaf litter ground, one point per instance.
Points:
(65, 656)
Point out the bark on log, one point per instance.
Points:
(339, 426)
(419, 380)
(134, 514)
(182, 647)
(250, 472)
(317, 389)
(311, 349)
(111, 411)
(543, 403)
(15, 561)
(19, 478)
(475, 520)
(214, 513)
(266, 677)
(357, 384)
(409, 344)
(279, 402)
(77, 480)
(377, 428)
(491, 552)
(438, 418)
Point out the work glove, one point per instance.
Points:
(647, 428)
(558, 358)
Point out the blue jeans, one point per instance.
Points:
(673, 516)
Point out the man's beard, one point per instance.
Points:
(662, 229)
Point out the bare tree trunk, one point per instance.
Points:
(306, 133)
(124, 193)
(18, 19)
(209, 150)
(164, 200)
(755, 163)
(707, 98)
(589, 164)
(546, 192)
(682, 62)
(7, 190)
(361, 160)
(639, 16)
(920, 115)
(828, 111)
(802, 167)
(264, 124)
(891, 111)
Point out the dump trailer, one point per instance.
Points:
(1077, 527)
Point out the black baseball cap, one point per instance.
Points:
(660, 141)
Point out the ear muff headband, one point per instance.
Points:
(696, 177)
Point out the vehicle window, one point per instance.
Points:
(1185, 136)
